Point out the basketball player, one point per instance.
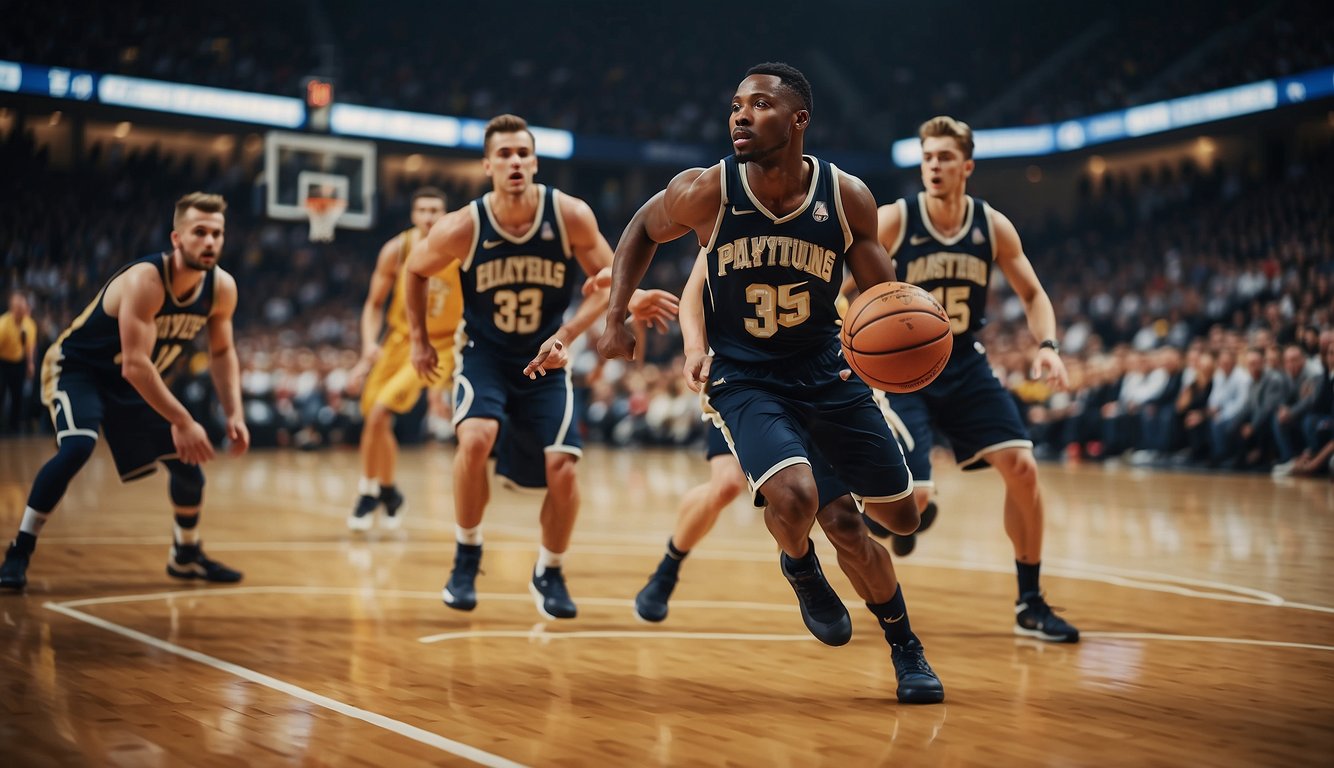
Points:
(947, 242)
(105, 372)
(777, 227)
(392, 386)
(516, 247)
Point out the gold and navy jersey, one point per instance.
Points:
(954, 269)
(773, 280)
(444, 301)
(516, 288)
(92, 341)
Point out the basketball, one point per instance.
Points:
(896, 337)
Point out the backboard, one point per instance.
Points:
(298, 166)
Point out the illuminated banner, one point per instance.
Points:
(1145, 120)
(202, 101)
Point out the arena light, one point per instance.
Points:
(395, 125)
(202, 101)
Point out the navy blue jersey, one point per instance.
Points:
(92, 342)
(516, 289)
(955, 269)
(773, 279)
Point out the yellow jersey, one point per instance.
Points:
(444, 298)
(16, 338)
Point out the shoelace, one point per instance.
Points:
(815, 591)
(914, 660)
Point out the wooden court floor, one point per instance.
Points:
(1206, 604)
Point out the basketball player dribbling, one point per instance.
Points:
(777, 226)
(947, 242)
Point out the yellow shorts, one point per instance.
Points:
(394, 384)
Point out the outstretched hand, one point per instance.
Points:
(654, 308)
(551, 356)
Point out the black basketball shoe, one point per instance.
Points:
(363, 514)
(14, 572)
(394, 506)
(460, 592)
(651, 602)
(821, 609)
(549, 593)
(1034, 618)
(918, 683)
(904, 545)
(188, 561)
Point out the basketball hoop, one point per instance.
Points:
(324, 213)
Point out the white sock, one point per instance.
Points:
(33, 521)
(187, 536)
(548, 559)
(368, 486)
(471, 536)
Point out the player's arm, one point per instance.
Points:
(448, 242)
(690, 201)
(866, 257)
(593, 253)
(694, 337)
(141, 296)
(223, 364)
(372, 310)
(890, 221)
(29, 328)
(1041, 316)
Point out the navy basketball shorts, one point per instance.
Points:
(798, 411)
(82, 403)
(968, 404)
(826, 481)
(538, 414)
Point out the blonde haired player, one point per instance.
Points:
(391, 386)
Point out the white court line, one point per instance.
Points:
(394, 726)
(1202, 639)
(544, 636)
(1111, 575)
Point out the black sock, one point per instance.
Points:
(187, 521)
(805, 561)
(893, 616)
(25, 542)
(674, 553)
(1028, 578)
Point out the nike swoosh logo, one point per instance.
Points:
(717, 382)
(735, 212)
(919, 239)
(895, 621)
(492, 243)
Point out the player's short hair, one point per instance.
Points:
(505, 124)
(429, 192)
(201, 201)
(944, 125)
(790, 77)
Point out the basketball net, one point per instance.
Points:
(324, 213)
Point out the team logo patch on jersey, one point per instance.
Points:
(978, 237)
(547, 234)
(821, 212)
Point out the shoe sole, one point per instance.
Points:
(394, 520)
(921, 697)
(539, 599)
(361, 524)
(1040, 635)
(646, 620)
(13, 585)
(447, 597)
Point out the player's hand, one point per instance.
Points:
(239, 435)
(552, 355)
(192, 443)
(1048, 365)
(617, 341)
(654, 308)
(696, 370)
(845, 374)
(597, 282)
(425, 361)
(357, 376)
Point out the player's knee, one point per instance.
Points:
(1019, 467)
(476, 439)
(378, 417)
(792, 496)
(842, 523)
(74, 452)
(561, 473)
(901, 517)
(186, 486)
(727, 487)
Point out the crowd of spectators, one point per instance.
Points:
(652, 72)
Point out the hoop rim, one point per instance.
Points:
(321, 205)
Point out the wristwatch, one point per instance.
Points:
(1050, 344)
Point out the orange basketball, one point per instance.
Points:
(896, 337)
